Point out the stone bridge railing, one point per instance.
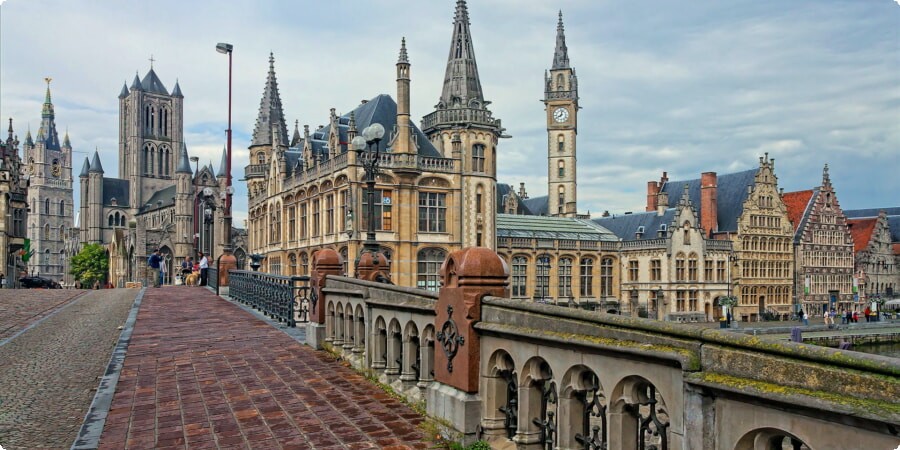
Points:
(530, 376)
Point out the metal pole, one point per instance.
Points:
(227, 218)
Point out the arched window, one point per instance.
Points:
(562, 169)
(560, 143)
(428, 275)
(478, 158)
(606, 277)
(519, 276)
(304, 264)
(587, 277)
(147, 120)
(47, 206)
(164, 121)
(565, 277)
(46, 232)
(62, 207)
(542, 273)
(292, 264)
(159, 161)
(112, 221)
(260, 158)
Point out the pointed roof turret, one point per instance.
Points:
(96, 167)
(47, 132)
(66, 142)
(10, 137)
(152, 83)
(86, 168)
(404, 58)
(28, 141)
(561, 54)
(184, 165)
(124, 92)
(176, 92)
(461, 82)
(136, 84)
(271, 115)
(224, 164)
(295, 139)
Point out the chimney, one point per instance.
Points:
(662, 203)
(709, 212)
(652, 191)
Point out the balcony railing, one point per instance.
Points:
(458, 115)
(255, 170)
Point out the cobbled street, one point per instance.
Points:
(48, 374)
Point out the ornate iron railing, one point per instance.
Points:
(282, 298)
(212, 278)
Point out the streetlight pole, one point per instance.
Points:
(229, 190)
(371, 136)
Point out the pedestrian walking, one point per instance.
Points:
(855, 316)
(204, 269)
(800, 315)
(868, 312)
(806, 319)
(153, 263)
(163, 270)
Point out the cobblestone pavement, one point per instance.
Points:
(48, 373)
(22, 307)
(202, 373)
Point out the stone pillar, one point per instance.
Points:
(468, 275)
(227, 262)
(325, 262)
(372, 267)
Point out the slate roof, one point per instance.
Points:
(893, 217)
(166, 196)
(381, 109)
(294, 160)
(510, 225)
(539, 206)
(861, 231)
(151, 83)
(731, 193)
(894, 224)
(799, 205)
(85, 169)
(626, 226)
(115, 188)
(270, 112)
(95, 163)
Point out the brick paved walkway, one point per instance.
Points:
(48, 373)
(22, 307)
(202, 373)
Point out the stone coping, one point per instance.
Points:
(382, 286)
(851, 360)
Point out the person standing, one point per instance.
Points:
(186, 267)
(153, 263)
(163, 270)
(806, 319)
(204, 269)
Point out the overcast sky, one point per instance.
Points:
(678, 86)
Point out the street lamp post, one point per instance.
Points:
(229, 190)
(371, 136)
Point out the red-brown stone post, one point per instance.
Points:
(372, 267)
(324, 262)
(468, 275)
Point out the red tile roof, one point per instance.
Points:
(796, 203)
(861, 230)
(896, 248)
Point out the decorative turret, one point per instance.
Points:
(85, 169)
(176, 92)
(223, 166)
(96, 167)
(28, 141)
(124, 92)
(136, 84)
(66, 142)
(271, 116)
(184, 164)
(561, 55)
(402, 142)
(47, 132)
(295, 139)
(461, 82)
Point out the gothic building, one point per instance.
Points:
(876, 246)
(14, 207)
(823, 249)
(156, 197)
(745, 208)
(436, 187)
(49, 173)
(671, 269)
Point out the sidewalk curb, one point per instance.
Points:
(95, 419)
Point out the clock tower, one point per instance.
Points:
(561, 105)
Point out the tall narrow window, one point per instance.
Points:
(304, 264)
(316, 214)
(47, 206)
(342, 199)
(679, 301)
(292, 223)
(565, 277)
(62, 207)
(692, 301)
(562, 169)
(478, 158)
(679, 267)
(560, 143)
(542, 288)
(692, 267)
(519, 277)
(587, 277)
(561, 200)
(329, 214)
(606, 276)
(432, 212)
(383, 210)
(633, 270)
(303, 222)
(429, 262)
(655, 270)
(708, 270)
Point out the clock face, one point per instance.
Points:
(561, 115)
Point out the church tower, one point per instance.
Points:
(561, 105)
(270, 132)
(49, 168)
(151, 133)
(462, 127)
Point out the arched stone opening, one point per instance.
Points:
(412, 366)
(379, 344)
(582, 411)
(770, 439)
(329, 322)
(426, 349)
(349, 328)
(394, 348)
(638, 416)
(500, 385)
(537, 404)
(338, 340)
(360, 342)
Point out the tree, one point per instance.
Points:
(90, 264)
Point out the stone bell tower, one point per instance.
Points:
(561, 105)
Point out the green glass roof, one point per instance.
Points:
(543, 227)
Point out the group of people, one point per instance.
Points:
(846, 316)
(198, 270)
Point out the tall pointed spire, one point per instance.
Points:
(66, 142)
(461, 82)
(136, 84)
(28, 141)
(124, 92)
(404, 58)
(224, 164)
(271, 116)
(184, 165)
(295, 139)
(561, 54)
(86, 168)
(95, 163)
(47, 133)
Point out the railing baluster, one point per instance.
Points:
(273, 295)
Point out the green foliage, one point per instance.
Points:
(479, 445)
(90, 264)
